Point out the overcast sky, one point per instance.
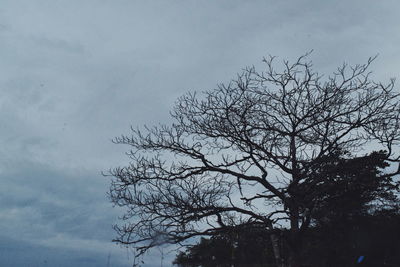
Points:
(76, 73)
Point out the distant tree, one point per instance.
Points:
(240, 247)
(242, 154)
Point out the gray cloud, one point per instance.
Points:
(74, 74)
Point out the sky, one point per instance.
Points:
(76, 73)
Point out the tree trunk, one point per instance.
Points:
(295, 240)
(276, 249)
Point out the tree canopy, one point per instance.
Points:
(245, 153)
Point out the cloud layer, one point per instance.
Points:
(74, 74)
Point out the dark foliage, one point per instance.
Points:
(246, 247)
(341, 187)
(376, 237)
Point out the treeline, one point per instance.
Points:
(375, 237)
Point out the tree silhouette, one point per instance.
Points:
(243, 153)
(340, 188)
(248, 247)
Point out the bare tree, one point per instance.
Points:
(238, 155)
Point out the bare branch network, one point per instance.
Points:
(241, 154)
